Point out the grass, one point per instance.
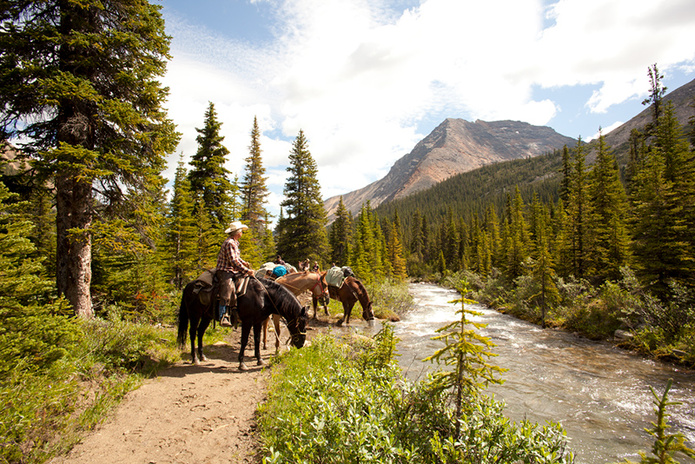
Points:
(50, 404)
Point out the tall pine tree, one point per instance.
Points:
(208, 177)
(254, 190)
(80, 85)
(302, 233)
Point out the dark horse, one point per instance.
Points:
(349, 293)
(262, 298)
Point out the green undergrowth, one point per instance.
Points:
(344, 400)
(390, 299)
(660, 328)
(61, 375)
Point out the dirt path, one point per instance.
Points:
(187, 414)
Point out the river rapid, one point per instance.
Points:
(600, 394)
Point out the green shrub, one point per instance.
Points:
(391, 299)
(341, 401)
(61, 375)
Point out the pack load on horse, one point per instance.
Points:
(345, 287)
(272, 270)
(257, 299)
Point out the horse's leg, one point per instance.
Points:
(278, 328)
(192, 332)
(348, 311)
(257, 344)
(265, 333)
(315, 304)
(204, 323)
(245, 331)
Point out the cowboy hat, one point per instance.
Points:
(234, 226)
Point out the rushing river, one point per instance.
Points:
(600, 394)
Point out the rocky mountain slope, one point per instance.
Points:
(683, 99)
(454, 147)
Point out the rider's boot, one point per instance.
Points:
(224, 319)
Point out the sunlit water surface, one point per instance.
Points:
(599, 393)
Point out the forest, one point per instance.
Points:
(594, 248)
(95, 249)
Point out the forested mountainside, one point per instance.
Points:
(455, 146)
(474, 190)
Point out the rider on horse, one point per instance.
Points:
(230, 266)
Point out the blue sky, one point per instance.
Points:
(367, 79)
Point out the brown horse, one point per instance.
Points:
(298, 283)
(349, 293)
(262, 298)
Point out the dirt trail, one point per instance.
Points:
(187, 414)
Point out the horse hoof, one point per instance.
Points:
(260, 362)
(243, 367)
(196, 362)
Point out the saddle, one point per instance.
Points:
(207, 286)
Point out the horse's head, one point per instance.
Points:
(324, 298)
(298, 329)
(368, 313)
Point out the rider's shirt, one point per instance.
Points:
(229, 258)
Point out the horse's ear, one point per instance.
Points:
(305, 311)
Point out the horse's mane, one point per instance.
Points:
(284, 300)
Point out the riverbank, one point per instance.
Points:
(600, 394)
(621, 313)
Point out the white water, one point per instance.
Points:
(600, 394)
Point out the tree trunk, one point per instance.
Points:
(74, 243)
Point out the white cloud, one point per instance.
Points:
(358, 76)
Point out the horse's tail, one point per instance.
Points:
(183, 321)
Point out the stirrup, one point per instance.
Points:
(225, 322)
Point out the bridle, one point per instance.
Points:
(290, 322)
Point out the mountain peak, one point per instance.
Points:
(453, 147)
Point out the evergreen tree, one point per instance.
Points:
(662, 209)
(341, 235)
(561, 246)
(395, 250)
(577, 212)
(565, 182)
(302, 234)
(181, 232)
(518, 238)
(208, 177)
(253, 186)
(208, 238)
(543, 268)
(606, 194)
(492, 228)
(80, 85)
(656, 96)
(361, 257)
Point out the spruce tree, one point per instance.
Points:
(302, 233)
(341, 234)
(655, 99)
(395, 250)
(543, 268)
(253, 189)
(518, 238)
(208, 177)
(181, 232)
(663, 209)
(607, 221)
(80, 86)
(577, 209)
